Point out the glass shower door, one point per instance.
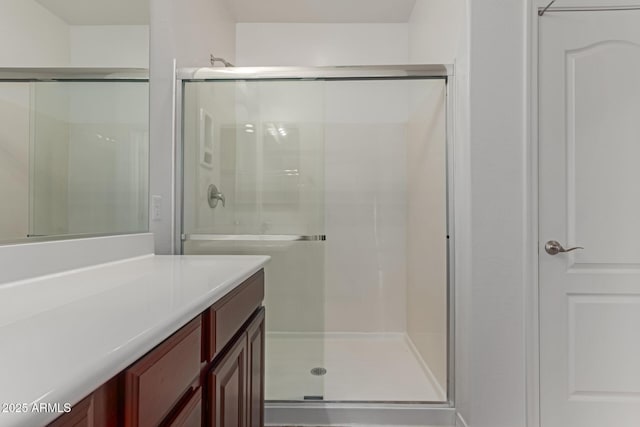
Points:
(253, 171)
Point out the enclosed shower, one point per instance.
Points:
(341, 176)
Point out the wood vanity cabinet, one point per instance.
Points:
(236, 381)
(208, 373)
(255, 371)
(227, 383)
(159, 382)
(99, 409)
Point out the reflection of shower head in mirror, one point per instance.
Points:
(226, 63)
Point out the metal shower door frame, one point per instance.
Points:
(341, 73)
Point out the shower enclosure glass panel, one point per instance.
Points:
(261, 146)
(362, 162)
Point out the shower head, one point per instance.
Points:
(226, 63)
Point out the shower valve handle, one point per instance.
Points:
(213, 196)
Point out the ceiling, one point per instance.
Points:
(136, 12)
(100, 12)
(322, 11)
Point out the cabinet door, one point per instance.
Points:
(227, 388)
(190, 414)
(255, 374)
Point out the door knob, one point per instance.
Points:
(553, 247)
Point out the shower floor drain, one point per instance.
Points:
(318, 371)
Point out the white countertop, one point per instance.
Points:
(64, 335)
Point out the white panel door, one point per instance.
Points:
(589, 195)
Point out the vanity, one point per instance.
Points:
(209, 372)
(146, 341)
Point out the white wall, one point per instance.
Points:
(31, 36)
(436, 29)
(498, 150)
(462, 224)
(188, 31)
(321, 44)
(203, 27)
(120, 46)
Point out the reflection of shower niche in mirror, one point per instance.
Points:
(281, 169)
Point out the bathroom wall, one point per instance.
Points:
(200, 27)
(31, 36)
(496, 341)
(281, 44)
(93, 46)
(187, 31)
(436, 29)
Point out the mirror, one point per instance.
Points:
(74, 114)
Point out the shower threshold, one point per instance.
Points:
(347, 414)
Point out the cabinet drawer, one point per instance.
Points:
(155, 383)
(228, 315)
(190, 415)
